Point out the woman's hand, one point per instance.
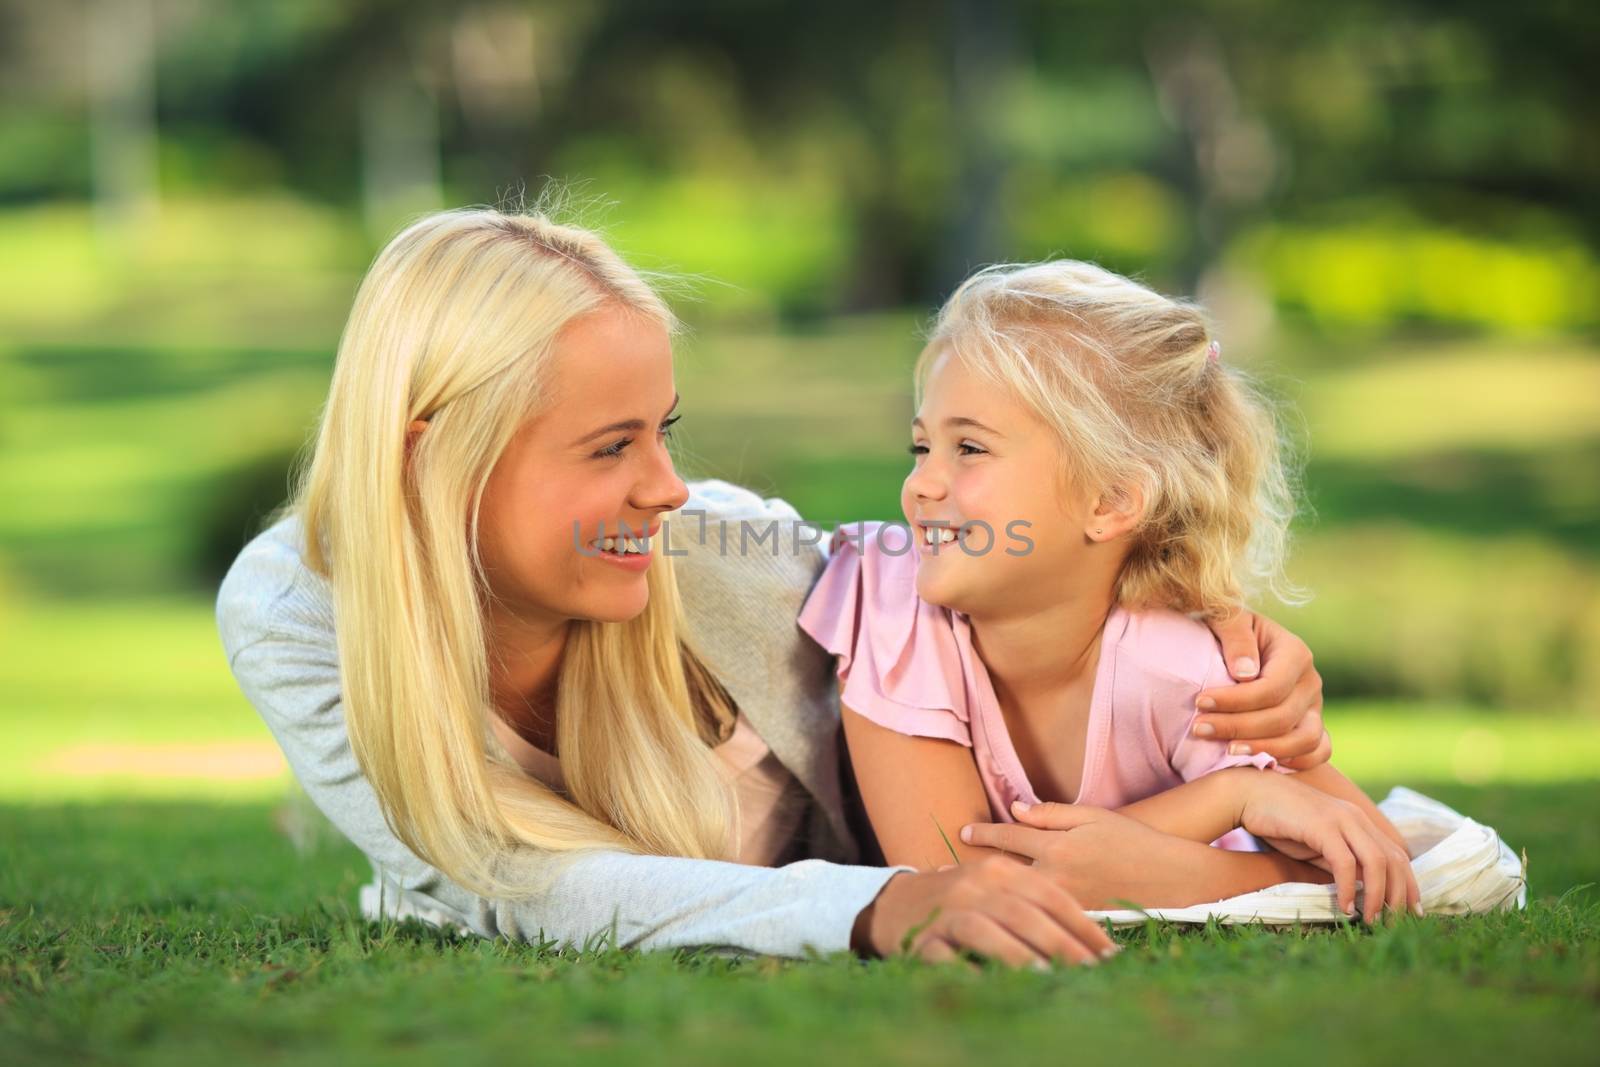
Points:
(1307, 824)
(992, 907)
(1279, 712)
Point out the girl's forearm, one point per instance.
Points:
(1218, 873)
(1202, 810)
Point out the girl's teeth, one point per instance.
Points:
(942, 534)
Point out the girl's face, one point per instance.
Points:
(595, 457)
(986, 462)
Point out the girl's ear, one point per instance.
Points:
(1117, 511)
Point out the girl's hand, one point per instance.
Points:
(1279, 712)
(1102, 858)
(992, 907)
(1307, 824)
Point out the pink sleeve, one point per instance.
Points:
(1195, 757)
(898, 661)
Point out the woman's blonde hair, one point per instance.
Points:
(1129, 381)
(455, 323)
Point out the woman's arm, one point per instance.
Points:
(1277, 706)
(650, 901)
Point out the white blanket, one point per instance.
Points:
(1462, 868)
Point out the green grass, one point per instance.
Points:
(137, 932)
(145, 918)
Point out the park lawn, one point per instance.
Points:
(141, 931)
(146, 915)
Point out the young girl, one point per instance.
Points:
(1091, 484)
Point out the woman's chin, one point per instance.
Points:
(620, 606)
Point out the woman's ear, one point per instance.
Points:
(1117, 511)
(416, 427)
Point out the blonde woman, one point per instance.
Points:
(511, 710)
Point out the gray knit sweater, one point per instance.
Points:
(741, 596)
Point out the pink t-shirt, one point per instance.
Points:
(910, 666)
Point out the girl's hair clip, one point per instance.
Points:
(1214, 352)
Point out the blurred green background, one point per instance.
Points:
(1389, 208)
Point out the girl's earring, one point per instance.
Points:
(1097, 533)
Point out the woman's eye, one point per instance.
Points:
(666, 427)
(613, 450)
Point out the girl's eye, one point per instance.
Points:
(975, 450)
(918, 450)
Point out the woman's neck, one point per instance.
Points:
(524, 669)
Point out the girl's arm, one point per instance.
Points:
(1328, 779)
(920, 791)
(1208, 807)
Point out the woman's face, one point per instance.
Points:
(985, 462)
(592, 463)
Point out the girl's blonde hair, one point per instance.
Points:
(1129, 381)
(455, 323)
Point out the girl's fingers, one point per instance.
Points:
(1341, 863)
(1399, 883)
(1374, 869)
(1007, 837)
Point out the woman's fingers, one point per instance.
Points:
(1060, 906)
(1253, 713)
(987, 937)
(1316, 757)
(1272, 723)
(1042, 932)
(934, 949)
(1285, 660)
(1239, 649)
(1301, 740)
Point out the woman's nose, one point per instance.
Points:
(660, 488)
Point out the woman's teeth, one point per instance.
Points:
(623, 545)
(940, 534)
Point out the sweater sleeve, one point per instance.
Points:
(288, 669)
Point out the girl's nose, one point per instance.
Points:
(925, 481)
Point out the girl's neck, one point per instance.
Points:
(524, 669)
(1037, 653)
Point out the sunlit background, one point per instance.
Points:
(1390, 208)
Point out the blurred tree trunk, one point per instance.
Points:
(400, 155)
(122, 113)
(983, 53)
